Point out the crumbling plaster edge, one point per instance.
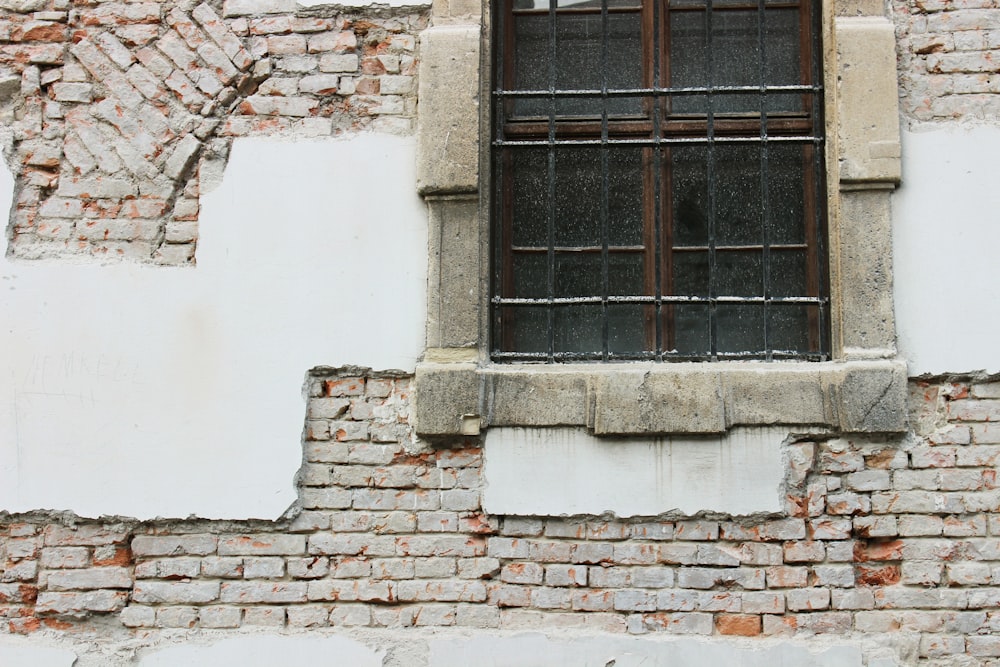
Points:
(413, 647)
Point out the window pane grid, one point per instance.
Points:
(580, 318)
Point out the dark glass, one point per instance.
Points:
(578, 200)
(734, 59)
(578, 63)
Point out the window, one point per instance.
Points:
(658, 181)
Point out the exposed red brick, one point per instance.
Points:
(868, 551)
(744, 625)
(122, 556)
(885, 575)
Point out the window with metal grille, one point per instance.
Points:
(658, 182)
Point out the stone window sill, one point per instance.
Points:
(866, 396)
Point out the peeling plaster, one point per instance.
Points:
(147, 392)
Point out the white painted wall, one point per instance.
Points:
(537, 650)
(559, 471)
(147, 391)
(267, 651)
(946, 249)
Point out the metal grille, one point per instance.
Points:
(658, 181)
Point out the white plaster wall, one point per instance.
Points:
(267, 651)
(147, 391)
(537, 650)
(946, 249)
(558, 471)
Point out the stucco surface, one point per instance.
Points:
(560, 471)
(946, 229)
(148, 391)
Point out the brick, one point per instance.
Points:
(694, 623)
(264, 616)
(91, 578)
(803, 552)
(85, 535)
(983, 646)
(809, 599)
(435, 615)
(262, 545)
(478, 568)
(351, 544)
(635, 600)
(477, 616)
(308, 617)
(696, 530)
(658, 530)
(350, 568)
(176, 617)
(102, 601)
(763, 602)
(786, 576)
(709, 554)
(744, 625)
(62, 558)
(522, 573)
(834, 575)
(652, 577)
(339, 63)
(442, 591)
(220, 617)
(717, 601)
(270, 567)
(174, 545)
(267, 592)
(636, 554)
(566, 575)
(160, 592)
(443, 545)
(138, 617)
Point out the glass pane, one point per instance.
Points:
(786, 193)
(625, 274)
(577, 197)
(739, 273)
(738, 200)
(575, 4)
(688, 179)
(578, 329)
(789, 327)
(737, 191)
(529, 194)
(788, 273)
(526, 328)
(690, 274)
(740, 327)
(577, 62)
(734, 58)
(626, 328)
(690, 332)
(530, 275)
(578, 274)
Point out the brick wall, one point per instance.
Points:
(949, 58)
(116, 108)
(884, 539)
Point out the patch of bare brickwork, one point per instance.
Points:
(896, 540)
(949, 59)
(115, 107)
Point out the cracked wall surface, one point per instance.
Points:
(114, 108)
(887, 545)
(183, 133)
